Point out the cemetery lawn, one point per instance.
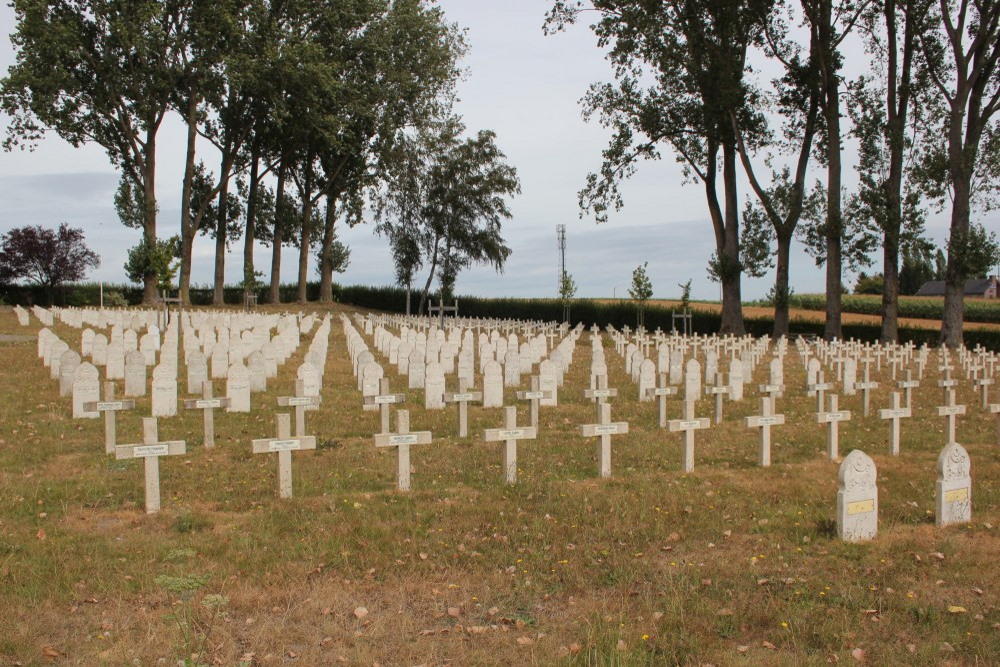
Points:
(731, 564)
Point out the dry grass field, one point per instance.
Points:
(729, 565)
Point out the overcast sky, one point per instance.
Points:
(519, 83)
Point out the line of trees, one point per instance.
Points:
(306, 106)
(923, 117)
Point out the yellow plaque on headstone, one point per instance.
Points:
(860, 507)
(956, 495)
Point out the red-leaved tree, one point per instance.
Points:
(46, 257)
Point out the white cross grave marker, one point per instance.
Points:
(950, 410)
(207, 403)
(719, 390)
(895, 413)
(688, 425)
(509, 435)
(661, 391)
(110, 407)
(832, 418)
(535, 395)
(908, 385)
(150, 451)
(383, 400)
(764, 422)
(819, 389)
(461, 399)
(301, 403)
(604, 429)
(866, 388)
(402, 440)
(284, 444)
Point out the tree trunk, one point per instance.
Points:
(274, 293)
(954, 279)
(149, 295)
(306, 237)
(781, 288)
(834, 219)
(430, 278)
(187, 226)
(325, 265)
(890, 288)
(249, 275)
(221, 228)
(732, 304)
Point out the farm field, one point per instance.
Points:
(729, 564)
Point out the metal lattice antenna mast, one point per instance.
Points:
(561, 238)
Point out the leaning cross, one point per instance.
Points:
(151, 450)
(820, 387)
(764, 422)
(284, 445)
(509, 435)
(207, 404)
(383, 400)
(604, 428)
(950, 410)
(535, 394)
(301, 403)
(661, 391)
(461, 399)
(688, 425)
(719, 390)
(895, 413)
(109, 406)
(402, 441)
(832, 418)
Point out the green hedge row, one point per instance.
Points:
(927, 308)
(89, 294)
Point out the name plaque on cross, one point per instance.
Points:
(150, 450)
(204, 403)
(283, 445)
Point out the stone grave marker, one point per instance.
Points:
(284, 444)
(150, 452)
(850, 376)
(86, 389)
(258, 371)
(688, 426)
(115, 367)
(548, 383)
(434, 386)
(461, 399)
(660, 392)
(954, 486)
(600, 393)
(894, 413)
(720, 390)
(163, 392)
(509, 435)
(832, 419)
(402, 440)
(866, 388)
(208, 404)
(197, 371)
(983, 386)
(819, 389)
(492, 385)
(857, 498)
(813, 369)
(301, 401)
(238, 388)
(383, 399)
(135, 374)
(110, 407)
(764, 422)
(950, 411)
(604, 429)
(68, 363)
(692, 381)
(220, 360)
(908, 384)
(535, 396)
(735, 382)
(370, 378)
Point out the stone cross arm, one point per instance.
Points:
(206, 403)
(661, 391)
(385, 399)
(614, 428)
(299, 401)
(108, 406)
(168, 448)
(827, 417)
(600, 393)
(501, 434)
(463, 396)
(765, 420)
(265, 445)
(675, 425)
(533, 395)
(398, 439)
